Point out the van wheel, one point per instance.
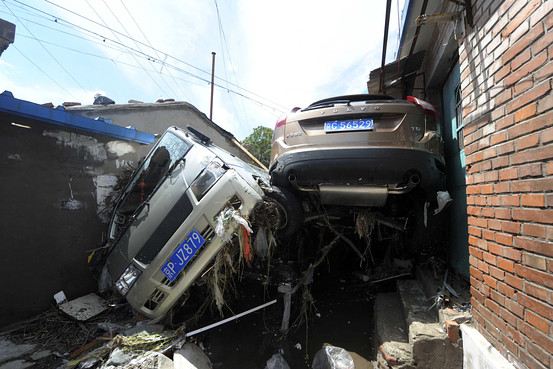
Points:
(289, 210)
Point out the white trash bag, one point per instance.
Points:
(332, 357)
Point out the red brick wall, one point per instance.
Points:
(506, 70)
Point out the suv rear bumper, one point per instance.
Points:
(376, 166)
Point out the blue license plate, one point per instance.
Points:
(349, 125)
(182, 255)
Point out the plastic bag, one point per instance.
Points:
(277, 362)
(332, 357)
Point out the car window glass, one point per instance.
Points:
(168, 150)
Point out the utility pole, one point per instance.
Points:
(212, 80)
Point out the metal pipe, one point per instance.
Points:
(230, 319)
(384, 46)
(212, 85)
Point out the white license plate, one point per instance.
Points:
(182, 255)
(349, 125)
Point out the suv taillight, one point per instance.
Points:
(280, 122)
(428, 108)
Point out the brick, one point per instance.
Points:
(513, 281)
(546, 135)
(512, 254)
(541, 12)
(510, 227)
(539, 338)
(494, 224)
(544, 72)
(476, 274)
(536, 306)
(523, 43)
(527, 141)
(514, 308)
(506, 265)
(452, 329)
(486, 189)
(504, 96)
(543, 43)
(537, 353)
(488, 235)
(495, 249)
(530, 95)
(515, 335)
(536, 291)
(510, 200)
(532, 185)
(541, 278)
(503, 213)
(533, 200)
(475, 252)
(505, 122)
(520, 60)
(538, 154)
(500, 137)
(490, 212)
(502, 187)
(504, 239)
(527, 69)
(506, 290)
(526, 113)
(530, 170)
(492, 305)
(500, 162)
(497, 273)
(508, 316)
(522, 86)
(533, 230)
(497, 297)
(533, 215)
(490, 282)
(538, 247)
(534, 261)
(535, 124)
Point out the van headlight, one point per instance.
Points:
(207, 178)
(127, 279)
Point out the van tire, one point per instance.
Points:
(290, 211)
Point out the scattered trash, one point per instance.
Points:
(60, 297)
(444, 200)
(332, 357)
(297, 346)
(102, 100)
(277, 362)
(84, 307)
(190, 356)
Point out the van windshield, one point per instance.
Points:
(153, 170)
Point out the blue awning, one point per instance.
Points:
(61, 117)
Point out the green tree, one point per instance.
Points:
(259, 144)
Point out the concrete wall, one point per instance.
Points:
(54, 186)
(156, 118)
(506, 71)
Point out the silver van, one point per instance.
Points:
(162, 232)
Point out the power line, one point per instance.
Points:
(61, 21)
(40, 69)
(46, 49)
(152, 47)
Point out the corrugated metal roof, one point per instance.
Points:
(59, 116)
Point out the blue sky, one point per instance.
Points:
(270, 55)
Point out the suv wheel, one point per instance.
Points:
(289, 209)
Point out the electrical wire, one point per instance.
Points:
(152, 47)
(138, 46)
(47, 51)
(268, 105)
(42, 71)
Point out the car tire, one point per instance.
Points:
(290, 211)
